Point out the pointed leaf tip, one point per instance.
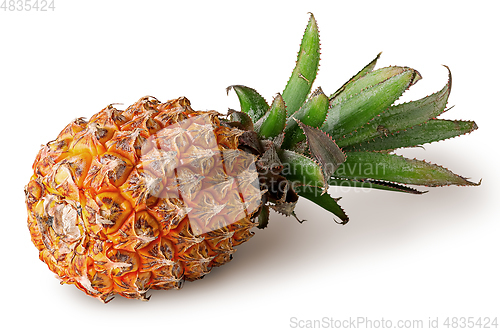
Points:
(398, 118)
(395, 168)
(449, 76)
(324, 200)
(251, 101)
(306, 68)
(430, 131)
(366, 69)
(416, 77)
(365, 98)
(273, 122)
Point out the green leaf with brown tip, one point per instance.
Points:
(366, 98)
(251, 101)
(373, 184)
(301, 170)
(303, 75)
(367, 69)
(400, 117)
(312, 113)
(273, 122)
(323, 149)
(394, 168)
(427, 132)
(324, 200)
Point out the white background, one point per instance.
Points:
(400, 257)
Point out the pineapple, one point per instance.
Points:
(159, 193)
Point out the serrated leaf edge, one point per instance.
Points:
(379, 138)
(406, 69)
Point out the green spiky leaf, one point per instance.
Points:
(367, 69)
(303, 75)
(240, 119)
(394, 168)
(370, 79)
(251, 101)
(400, 117)
(366, 98)
(427, 132)
(301, 170)
(312, 113)
(323, 149)
(324, 200)
(273, 122)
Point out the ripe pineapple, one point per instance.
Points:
(157, 194)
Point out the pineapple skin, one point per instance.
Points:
(141, 199)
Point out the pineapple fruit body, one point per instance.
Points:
(141, 199)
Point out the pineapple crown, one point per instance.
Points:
(310, 141)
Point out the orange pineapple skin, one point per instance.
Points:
(141, 199)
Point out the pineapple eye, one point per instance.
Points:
(146, 226)
(103, 134)
(122, 262)
(114, 210)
